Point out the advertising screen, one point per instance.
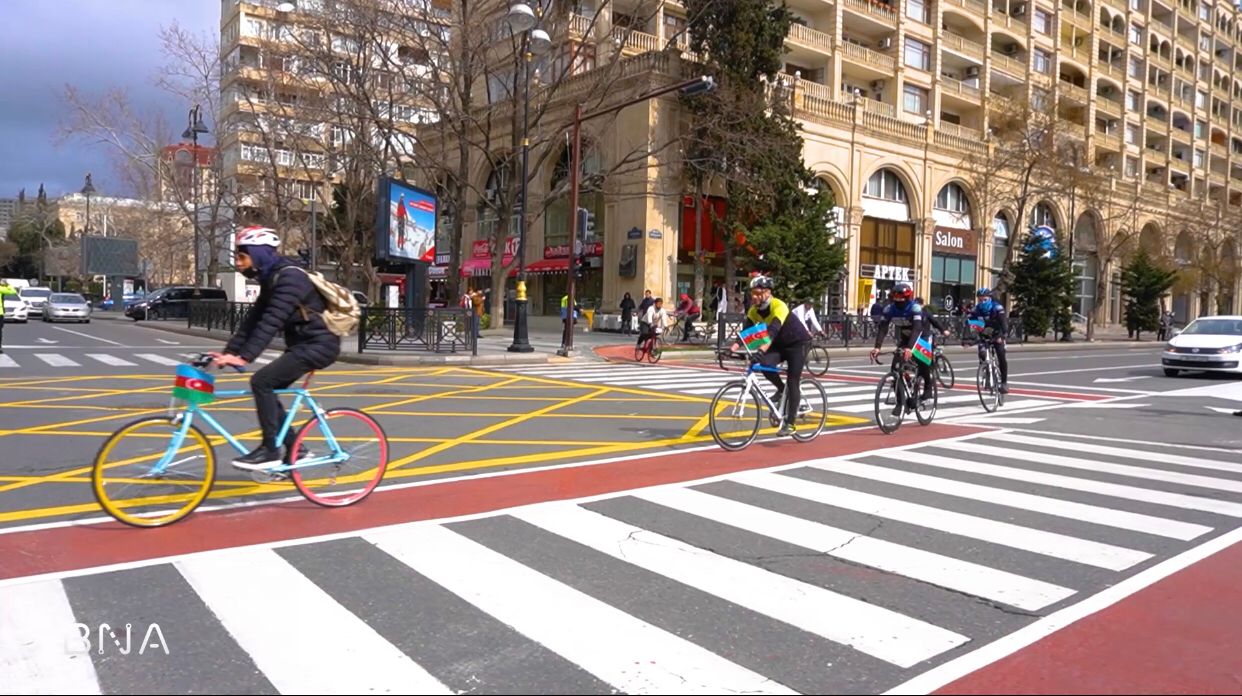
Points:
(406, 228)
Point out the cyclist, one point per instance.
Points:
(288, 302)
(789, 338)
(995, 329)
(651, 321)
(5, 290)
(806, 312)
(903, 306)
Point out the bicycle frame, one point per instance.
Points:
(186, 419)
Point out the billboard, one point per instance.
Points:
(405, 227)
(109, 256)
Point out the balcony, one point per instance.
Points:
(579, 25)
(1180, 135)
(1157, 125)
(949, 85)
(868, 57)
(961, 44)
(876, 10)
(1117, 72)
(974, 7)
(1220, 151)
(1073, 92)
(1016, 23)
(807, 37)
(1108, 107)
(1076, 19)
(1108, 141)
(1082, 54)
(634, 42)
(1010, 65)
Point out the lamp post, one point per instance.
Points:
(88, 190)
(692, 87)
(524, 21)
(194, 127)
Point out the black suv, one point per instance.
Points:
(172, 302)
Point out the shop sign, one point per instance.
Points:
(482, 248)
(880, 272)
(954, 241)
(561, 251)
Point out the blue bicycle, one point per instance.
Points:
(157, 470)
(737, 409)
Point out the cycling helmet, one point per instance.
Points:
(984, 292)
(902, 291)
(761, 282)
(258, 236)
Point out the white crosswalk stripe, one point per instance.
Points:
(619, 588)
(7, 361)
(158, 359)
(57, 360)
(92, 361)
(110, 359)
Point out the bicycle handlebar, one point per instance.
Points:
(204, 360)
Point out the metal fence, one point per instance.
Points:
(849, 329)
(216, 314)
(435, 330)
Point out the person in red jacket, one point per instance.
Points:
(689, 309)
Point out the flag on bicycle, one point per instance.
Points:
(194, 386)
(923, 350)
(976, 325)
(755, 337)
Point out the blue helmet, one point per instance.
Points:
(984, 292)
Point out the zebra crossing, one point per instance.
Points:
(852, 397)
(43, 360)
(847, 574)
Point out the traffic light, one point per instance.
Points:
(580, 266)
(586, 223)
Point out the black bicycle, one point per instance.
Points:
(901, 391)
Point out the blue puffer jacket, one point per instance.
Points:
(288, 302)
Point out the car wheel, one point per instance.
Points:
(1171, 373)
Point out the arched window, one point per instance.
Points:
(1042, 215)
(1000, 244)
(885, 184)
(953, 198)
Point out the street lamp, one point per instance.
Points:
(194, 127)
(88, 190)
(688, 88)
(523, 20)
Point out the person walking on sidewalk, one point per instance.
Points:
(627, 313)
(476, 303)
(5, 291)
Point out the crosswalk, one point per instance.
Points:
(41, 360)
(854, 397)
(839, 575)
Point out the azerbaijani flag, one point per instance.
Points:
(194, 385)
(755, 337)
(923, 350)
(976, 325)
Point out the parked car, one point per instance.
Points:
(172, 302)
(67, 306)
(15, 309)
(35, 297)
(1208, 344)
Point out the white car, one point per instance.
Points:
(15, 309)
(35, 297)
(1208, 344)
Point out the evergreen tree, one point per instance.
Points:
(1043, 286)
(1143, 283)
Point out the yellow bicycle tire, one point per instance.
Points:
(117, 508)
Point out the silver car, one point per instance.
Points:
(66, 306)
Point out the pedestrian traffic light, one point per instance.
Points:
(586, 223)
(580, 264)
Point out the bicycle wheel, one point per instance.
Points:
(653, 352)
(817, 361)
(638, 353)
(129, 484)
(925, 409)
(944, 372)
(996, 379)
(889, 406)
(734, 416)
(988, 393)
(812, 412)
(338, 483)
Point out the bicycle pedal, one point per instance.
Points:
(270, 476)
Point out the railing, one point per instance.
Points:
(872, 8)
(1108, 106)
(807, 36)
(961, 44)
(1219, 150)
(448, 329)
(216, 315)
(868, 56)
(1180, 135)
(579, 25)
(964, 141)
(639, 41)
(999, 16)
(951, 85)
(846, 329)
(1114, 71)
(958, 130)
(878, 108)
(1110, 141)
(1157, 124)
(1077, 19)
(1073, 91)
(1010, 65)
(975, 6)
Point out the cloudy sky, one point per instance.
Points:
(94, 45)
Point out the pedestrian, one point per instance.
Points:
(648, 300)
(5, 291)
(627, 313)
(476, 302)
(1166, 320)
(720, 299)
(877, 307)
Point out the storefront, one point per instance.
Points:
(954, 263)
(886, 257)
(553, 274)
(710, 231)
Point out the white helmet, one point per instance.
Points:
(258, 236)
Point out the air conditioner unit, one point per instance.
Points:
(877, 85)
(885, 44)
(1019, 10)
(972, 72)
(1010, 49)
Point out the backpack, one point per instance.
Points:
(341, 312)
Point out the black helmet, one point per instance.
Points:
(902, 292)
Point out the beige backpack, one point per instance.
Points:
(341, 312)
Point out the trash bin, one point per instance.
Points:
(589, 316)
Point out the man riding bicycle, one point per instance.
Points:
(806, 313)
(288, 302)
(905, 308)
(651, 321)
(789, 344)
(995, 329)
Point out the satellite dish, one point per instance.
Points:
(285, 7)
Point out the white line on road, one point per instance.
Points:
(36, 623)
(171, 343)
(1077, 387)
(158, 359)
(56, 360)
(1083, 369)
(93, 338)
(47, 340)
(110, 359)
(6, 361)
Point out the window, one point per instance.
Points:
(953, 199)
(1132, 166)
(1043, 22)
(918, 54)
(1200, 129)
(1200, 99)
(1043, 61)
(1042, 215)
(915, 100)
(1132, 101)
(953, 280)
(885, 184)
(1198, 159)
(887, 243)
(1136, 35)
(1136, 67)
(341, 136)
(918, 9)
(254, 27)
(1132, 132)
(1136, 4)
(1205, 12)
(1205, 43)
(1000, 243)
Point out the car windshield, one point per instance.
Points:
(36, 292)
(1215, 327)
(68, 298)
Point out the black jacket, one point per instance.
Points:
(287, 302)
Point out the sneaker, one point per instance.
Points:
(897, 411)
(1003, 388)
(786, 430)
(804, 408)
(261, 458)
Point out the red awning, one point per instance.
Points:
(548, 266)
(477, 267)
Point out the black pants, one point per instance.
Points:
(626, 316)
(690, 319)
(278, 374)
(795, 357)
(1001, 361)
(922, 370)
(645, 331)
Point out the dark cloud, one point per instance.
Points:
(94, 45)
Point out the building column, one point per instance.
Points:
(853, 231)
(923, 231)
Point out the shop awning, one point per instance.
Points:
(477, 267)
(548, 266)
